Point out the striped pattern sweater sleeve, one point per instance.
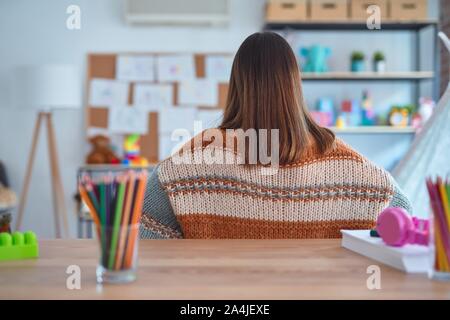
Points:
(158, 219)
(314, 198)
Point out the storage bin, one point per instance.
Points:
(410, 10)
(286, 11)
(329, 10)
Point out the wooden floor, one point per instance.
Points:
(216, 269)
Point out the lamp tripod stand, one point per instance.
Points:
(59, 208)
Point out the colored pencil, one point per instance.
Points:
(136, 217)
(87, 200)
(125, 218)
(102, 191)
(116, 222)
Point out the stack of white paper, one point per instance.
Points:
(410, 258)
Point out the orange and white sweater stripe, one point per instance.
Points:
(314, 198)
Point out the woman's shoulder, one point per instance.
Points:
(339, 151)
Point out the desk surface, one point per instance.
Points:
(216, 269)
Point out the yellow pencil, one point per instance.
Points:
(125, 219)
(441, 257)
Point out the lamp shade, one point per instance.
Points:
(47, 87)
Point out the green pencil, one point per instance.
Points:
(102, 203)
(116, 223)
(93, 197)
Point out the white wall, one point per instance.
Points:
(34, 32)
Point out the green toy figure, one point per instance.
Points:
(316, 57)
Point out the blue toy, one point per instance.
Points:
(326, 105)
(316, 57)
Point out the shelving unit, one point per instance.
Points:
(416, 77)
(369, 76)
(352, 25)
(374, 130)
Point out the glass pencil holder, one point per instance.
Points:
(114, 200)
(118, 254)
(439, 253)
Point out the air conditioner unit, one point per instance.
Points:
(177, 12)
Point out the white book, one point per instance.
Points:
(409, 258)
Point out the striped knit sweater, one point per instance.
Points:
(313, 198)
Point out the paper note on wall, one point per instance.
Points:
(209, 118)
(152, 96)
(125, 119)
(173, 118)
(169, 144)
(202, 92)
(106, 92)
(218, 68)
(175, 68)
(135, 68)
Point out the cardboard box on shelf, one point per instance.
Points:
(286, 11)
(329, 10)
(408, 10)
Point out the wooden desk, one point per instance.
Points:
(216, 269)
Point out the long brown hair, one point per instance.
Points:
(265, 93)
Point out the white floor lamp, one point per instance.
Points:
(45, 89)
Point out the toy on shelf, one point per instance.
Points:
(18, 246)
(102, 152)
(399, 116)
(340, 122)
(323, 119)
(132, 151)
(316, 58)
(351, 112)
(326, 106)
(426, 107)
(367, 112)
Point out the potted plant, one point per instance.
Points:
(357, 61)
(379, 64)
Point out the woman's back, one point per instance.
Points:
(315, 197)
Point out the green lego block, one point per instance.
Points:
(18, 246)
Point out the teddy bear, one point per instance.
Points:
(101, 151)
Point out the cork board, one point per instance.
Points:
(104, 66)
